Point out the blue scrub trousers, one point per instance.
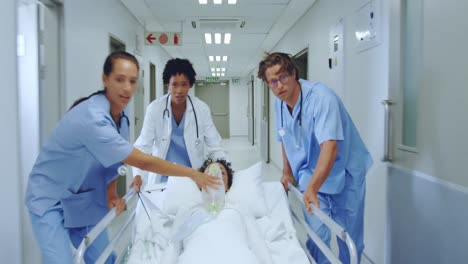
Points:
(345, 208)
(54, 239)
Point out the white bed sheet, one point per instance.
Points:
(276, 229)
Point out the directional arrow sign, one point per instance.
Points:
(150, 38)
(163, 38)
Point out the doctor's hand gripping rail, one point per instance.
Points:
(335, 229)
(96, 231)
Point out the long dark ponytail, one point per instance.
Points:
(107, 69)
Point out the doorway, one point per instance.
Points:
(152, 80)
(40, 92)
(251, 111)
(301, 59)
(50, 43)
(265, 124)
(117, 45)
(216, 96)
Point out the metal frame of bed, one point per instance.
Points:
(335, 230)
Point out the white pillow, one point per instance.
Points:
(247, 190)
(181, 192)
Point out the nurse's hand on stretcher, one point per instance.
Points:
(204, 180)
(310, 196)
(137, 182)
(287, 178)
(119, 203)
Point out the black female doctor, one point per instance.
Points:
(178, 127)
(73, 178)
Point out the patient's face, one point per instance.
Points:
(223, 171)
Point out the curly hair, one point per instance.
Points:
(226, 165)
(179, 66)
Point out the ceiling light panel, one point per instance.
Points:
(211, 58)
(203, 2)
(232, 2)
(217, 2)
(225, 58)
(208, 38)
(218, 58)
(227, 38)
(217, 37)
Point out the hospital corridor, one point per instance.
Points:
(234, 131)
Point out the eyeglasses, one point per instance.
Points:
(282, 79)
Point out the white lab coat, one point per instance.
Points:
(155, 135)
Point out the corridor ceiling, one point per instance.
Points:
(256, 26)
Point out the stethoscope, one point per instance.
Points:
(166, 111)
(122, 169)
(282, 132)
(122, 116)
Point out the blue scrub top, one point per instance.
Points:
(78, 161)
(177, 152)
(324, 118)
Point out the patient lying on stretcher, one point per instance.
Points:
(227, 235)
(206, 234)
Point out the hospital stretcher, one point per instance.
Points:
(290, 216)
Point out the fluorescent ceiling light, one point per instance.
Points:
(218, 74)
(208, 38)
(213, 74)
(227, 38)
(217, 38)
(212, 69)
(217, 2)
(232, 2)
(211, 58)
(222, 74)
(225, 58)
(218, 69)
(223, 69)
(218, 58)
(203, 2)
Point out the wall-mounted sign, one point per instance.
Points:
(212, 79)
(163, 38)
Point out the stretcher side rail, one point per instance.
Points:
(113, 243)
(101, 226)
(335, 229)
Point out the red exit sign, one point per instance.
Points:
(163, 38)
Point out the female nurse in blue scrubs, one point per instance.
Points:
(322, 151)
(73, 182)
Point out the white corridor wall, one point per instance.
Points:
(10, 239)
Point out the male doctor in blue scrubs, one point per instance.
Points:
(322, 151)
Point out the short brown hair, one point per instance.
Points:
(277, 58)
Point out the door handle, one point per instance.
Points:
(387, 156)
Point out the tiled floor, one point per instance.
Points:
(243, 155)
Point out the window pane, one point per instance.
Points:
(411, 68)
